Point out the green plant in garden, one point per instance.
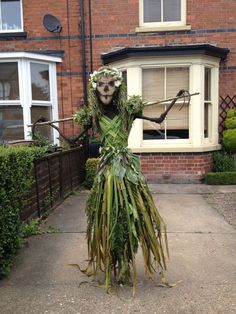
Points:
(223, 161)
(31, 227)
(43, 141)
(90, 171)
(229, 135)
(15, 182)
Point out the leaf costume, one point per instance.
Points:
(120, 209)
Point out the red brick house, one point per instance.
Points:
(48, 49)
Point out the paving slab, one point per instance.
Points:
(202, 263)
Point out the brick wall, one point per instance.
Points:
(176, 167)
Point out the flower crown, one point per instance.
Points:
(105, 71)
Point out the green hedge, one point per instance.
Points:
(90, 171)
(222, 162)
(222, 178)
(15, 181)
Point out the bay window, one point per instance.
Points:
(188, 127)
(27, 91)
(11, 16)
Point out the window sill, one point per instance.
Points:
(183, 149)
(13, 36)
(149, 29)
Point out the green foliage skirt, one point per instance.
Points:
(121, 215)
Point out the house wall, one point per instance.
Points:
(114, 25)
(176, 167)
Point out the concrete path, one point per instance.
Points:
(203, 259)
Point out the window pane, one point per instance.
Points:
(9, 84)
(42, 111)
(152, 90)
(171, 10)
(165, 83)
(206, 120)
(11, 123)
(207, 93)
(151, 11)
(177, 120)
(153, 84)
(176, 79)
(11, 14)
(40, 81)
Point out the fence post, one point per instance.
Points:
(37, 187)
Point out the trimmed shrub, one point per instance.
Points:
(222, 178)
(223, 162)
(90, 171)
(230, 123)
(15, 181)
(229, 140)
(229, 135)
(231, 113)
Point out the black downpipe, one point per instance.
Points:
(85, 98)
(90, 37)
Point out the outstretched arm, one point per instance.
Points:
(71, 140)
(161, 118)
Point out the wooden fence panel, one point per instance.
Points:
(55, 177)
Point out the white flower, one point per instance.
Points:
(117, 83)
(94, 85)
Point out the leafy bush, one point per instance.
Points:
(229, 135)
(223, 162)
(229, 140)
(231, 113)
(15, 181)
(223, 178)
(230, 123)
(90, 171)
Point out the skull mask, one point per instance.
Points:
(106, 89)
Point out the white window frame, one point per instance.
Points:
(25, 95)
(196, 141)
(162, 26)
(13, 30)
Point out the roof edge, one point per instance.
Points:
(152, 51)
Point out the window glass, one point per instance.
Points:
(42, 111)
(11, 123)
(152, 11)
(207, 94)
(161, 11)
(207, 102)
(159, 84)
(40, 81)
(176, 79)
(11, 14)
(171, 10)
(9, 83)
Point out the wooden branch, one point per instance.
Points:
(55, 121)
(169, 99)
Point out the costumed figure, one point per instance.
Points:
(120, 209)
